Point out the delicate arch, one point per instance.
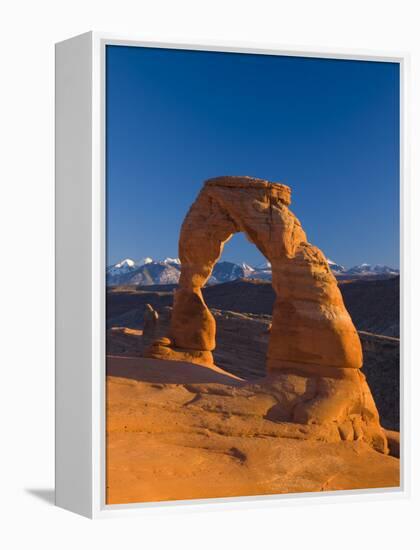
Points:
(311, 326)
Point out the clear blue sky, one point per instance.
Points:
(327, 128)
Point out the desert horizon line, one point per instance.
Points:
(175, 259)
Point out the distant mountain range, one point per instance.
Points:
(148, 271)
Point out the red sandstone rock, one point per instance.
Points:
(312, 335)
(181, 431)
(310, 322)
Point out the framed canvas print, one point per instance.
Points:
(228, 255)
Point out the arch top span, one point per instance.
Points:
(248, 182)
(311, 327)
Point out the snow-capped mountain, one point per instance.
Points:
(369, 270)
(228, 271)
(121, 268)
(144, 272)
(169, 261)
(153, 273)
(126, 266)
(148, 271)
(247, 267)
(144, 261)
(336, 268)
(263, 267)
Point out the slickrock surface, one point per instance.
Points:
(181, 431)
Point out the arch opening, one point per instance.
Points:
(242, 305)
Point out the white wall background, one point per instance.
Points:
(28, 32)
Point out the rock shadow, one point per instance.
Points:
(162, 371)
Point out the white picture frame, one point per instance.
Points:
(80, 276)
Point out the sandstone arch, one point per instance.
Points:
(311, 327)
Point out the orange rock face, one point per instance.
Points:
(182, 431)
(310, 323)
(312, 335)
